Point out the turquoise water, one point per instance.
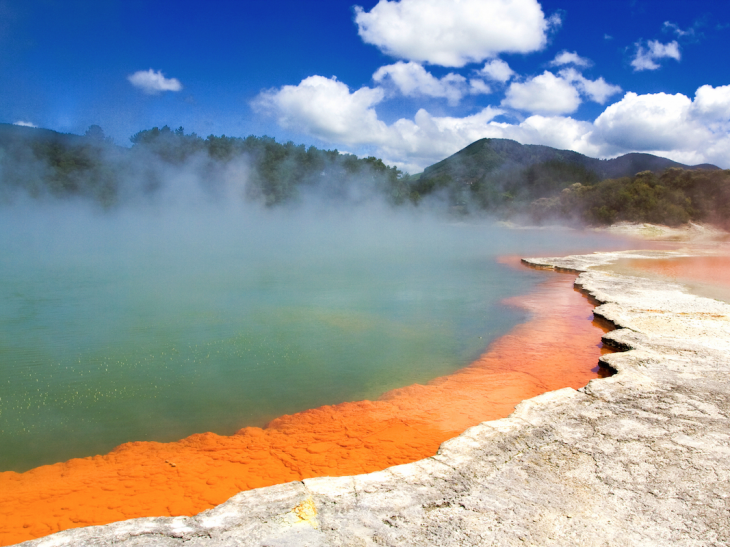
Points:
(119, 327)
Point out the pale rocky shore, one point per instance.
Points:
(641, 458)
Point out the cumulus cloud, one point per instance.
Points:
(153, 82)
(479, 87)
(25, 124)
(687, 130)
(412, 80)
(691, 131)
(560, 132)
(712, 105)
(570, 58)
(543, 94)
(454, 32)
(675, 126)
(645, 58)
(497, 70)
(325, 108)
(645, 122)
(415, 144)
(597, 90)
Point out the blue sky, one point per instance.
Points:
(410, 81)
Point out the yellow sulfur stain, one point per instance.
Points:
(306, 512)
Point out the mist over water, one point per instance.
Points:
(157, 322)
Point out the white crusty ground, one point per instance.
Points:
(641, 458)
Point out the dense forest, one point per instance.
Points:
(672, 197)
(496, 177)
(45, 163)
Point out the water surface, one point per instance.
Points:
(118, 327)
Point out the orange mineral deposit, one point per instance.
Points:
(714, 270)
(558, 347)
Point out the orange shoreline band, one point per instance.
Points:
(558, 347)
(705, 269)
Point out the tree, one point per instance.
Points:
(95, 133)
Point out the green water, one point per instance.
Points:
(122, 327)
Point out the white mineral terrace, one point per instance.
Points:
(640, 458)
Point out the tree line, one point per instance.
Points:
(672, 197)
(45, 163)
(272, 173)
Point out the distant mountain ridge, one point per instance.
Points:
(490, 174)
(545, 184)
(489, 155)
(10, 133)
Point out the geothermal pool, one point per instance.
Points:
(154, 325)
(192, 327)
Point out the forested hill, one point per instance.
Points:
(511, 154)
(492, 172)
(44, 163)
(10, 133)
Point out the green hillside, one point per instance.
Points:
(672, 197)
(494, 174)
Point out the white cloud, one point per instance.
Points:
(560, 132)
(597, 90)
(570, 58)
(25, 124)
(712, 105)
(692, 131)
(416, 144)
(674, 126)
(554, 21)
(413, 145)
(497, 70)
(153, 82)
(412, 80)
(325, 108)
(645, 58)
(645, 122)
(479, 87)
(543, 94)
(673, 27)
(454, 32)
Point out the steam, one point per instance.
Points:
(167, 169)
(99, 297)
